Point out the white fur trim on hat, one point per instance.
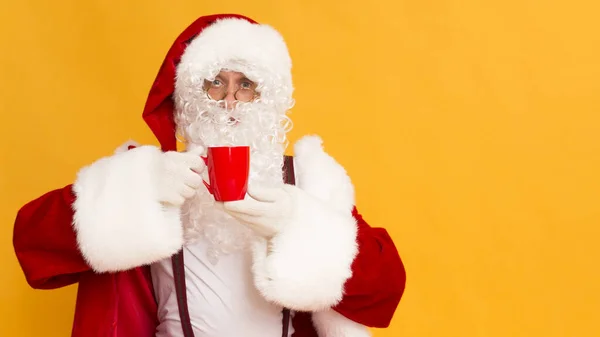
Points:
(118, 220)
(257, 50)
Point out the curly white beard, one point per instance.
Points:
(206, 123)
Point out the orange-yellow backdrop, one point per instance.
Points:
(470, 129)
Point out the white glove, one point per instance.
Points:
(181, 176)
(266, 210)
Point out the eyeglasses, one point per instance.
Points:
(217, 90)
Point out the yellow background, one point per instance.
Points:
(471, 133)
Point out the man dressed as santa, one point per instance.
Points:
(153, 253)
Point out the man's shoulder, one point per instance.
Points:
(319, 174)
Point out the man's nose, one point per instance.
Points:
(229, 99)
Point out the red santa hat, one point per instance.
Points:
(230, 41)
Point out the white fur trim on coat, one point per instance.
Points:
(330, 323)
(119, 222)
(305, 266)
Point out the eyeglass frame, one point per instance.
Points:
(206, 89)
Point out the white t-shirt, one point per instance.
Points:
(222, 299)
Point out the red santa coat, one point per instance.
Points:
(121, 302)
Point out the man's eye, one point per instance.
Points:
(216, 83)
(246, 85)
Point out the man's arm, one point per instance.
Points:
(120, 213)
(45, 242)
(374, 290)
(318, 254)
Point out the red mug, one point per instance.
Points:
(228, 170)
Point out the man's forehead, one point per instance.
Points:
(232, 75)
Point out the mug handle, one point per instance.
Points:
(208, 187)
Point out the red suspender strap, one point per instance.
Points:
(289, 177)
(180, 291)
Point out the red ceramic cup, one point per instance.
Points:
(228, 170)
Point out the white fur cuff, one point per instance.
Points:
(306, 265)
(120, 223)
(330, 323)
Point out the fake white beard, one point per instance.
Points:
(206, 123)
